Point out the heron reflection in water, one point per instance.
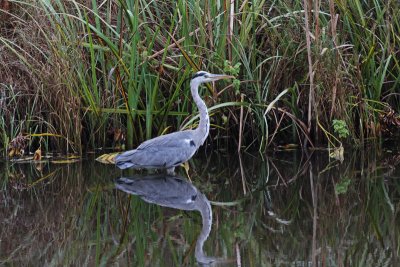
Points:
(174, 192)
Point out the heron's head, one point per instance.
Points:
(204, 77)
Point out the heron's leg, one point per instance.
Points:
(186, 166)
(171, 171)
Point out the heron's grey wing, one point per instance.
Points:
(168, 150)
(165, 151)
(176, 140)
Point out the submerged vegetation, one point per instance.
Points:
(79, 74)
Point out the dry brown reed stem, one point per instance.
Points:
(242, 174)
(310, 65)
(230, 29)
(241, 123)
(334, 19)
(316, 20)
(210, 26)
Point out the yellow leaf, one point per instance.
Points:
(11, 153)
(37, 155)
(39, 166)
(338, 153)
(15, 152)
(107, 158)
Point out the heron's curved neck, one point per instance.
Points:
(204, 125)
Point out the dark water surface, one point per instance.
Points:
(286, 209)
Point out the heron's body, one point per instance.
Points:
(171, 150)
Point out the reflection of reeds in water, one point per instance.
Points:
(351, 228)
(76, 216)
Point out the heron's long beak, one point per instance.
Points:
(216, 77)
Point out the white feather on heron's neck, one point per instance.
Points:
(204, 125)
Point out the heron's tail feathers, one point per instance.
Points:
(123, 161)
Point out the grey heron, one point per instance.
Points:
(174, 192)
(171, 150)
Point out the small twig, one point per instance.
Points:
(241, 123)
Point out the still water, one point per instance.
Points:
(286, 208)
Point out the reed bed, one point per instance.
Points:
(105, 73)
